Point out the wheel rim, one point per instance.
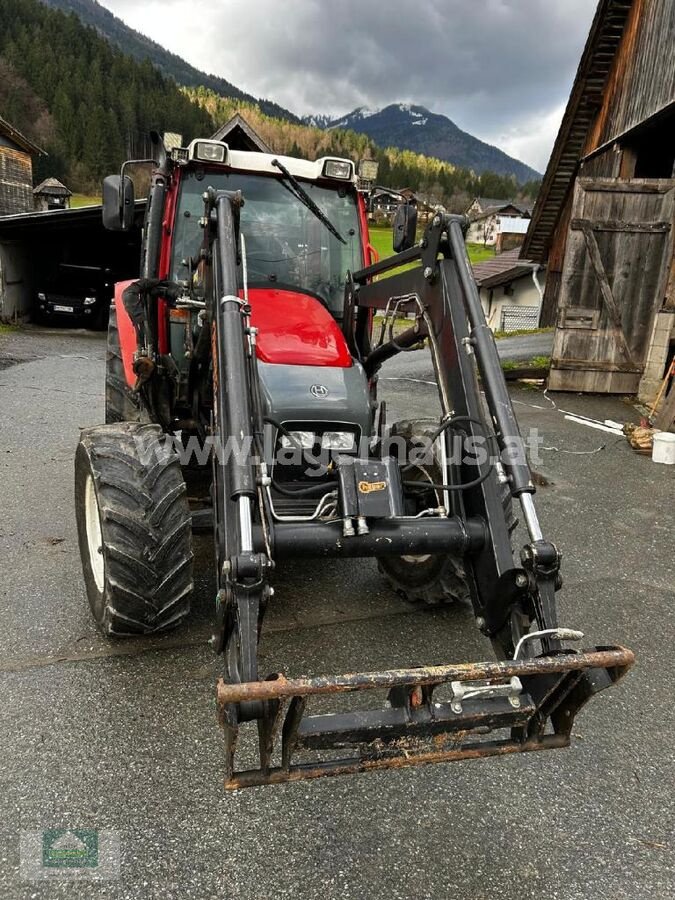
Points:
(94, 540)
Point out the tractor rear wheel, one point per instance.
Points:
(134, 530)
(120, 403)
(432, 579)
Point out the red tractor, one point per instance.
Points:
(244, 362)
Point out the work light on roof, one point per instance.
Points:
(337, 168)
(210, 151)
(368, 169)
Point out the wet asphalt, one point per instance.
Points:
(122, 736)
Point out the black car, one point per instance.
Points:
(81, 294)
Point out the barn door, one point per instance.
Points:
(614, 277)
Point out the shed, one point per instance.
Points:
(16, 170)
(510, 233)
(238, 134)
(603, 221)
(510, 290)
(34, 245)
(51, 194)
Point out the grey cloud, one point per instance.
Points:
(492, 66)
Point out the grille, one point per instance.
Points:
(515, 318)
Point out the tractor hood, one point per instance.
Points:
(296, 329)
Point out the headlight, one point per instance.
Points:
(209, 151)
(337, 440)
(89, 300)
(42, 296)
(306, 439)
(337, 168)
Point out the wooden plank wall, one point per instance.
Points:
(643, 81)
(16, 182)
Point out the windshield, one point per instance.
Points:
(286, 244)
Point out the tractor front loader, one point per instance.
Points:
(250, 336)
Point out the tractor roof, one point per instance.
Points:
(254, 161)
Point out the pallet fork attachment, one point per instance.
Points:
(496, 708)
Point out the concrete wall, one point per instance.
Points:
(524, 293)
(663, 333)
(16, 281)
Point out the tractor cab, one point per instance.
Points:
(302, 228)
(287, 246)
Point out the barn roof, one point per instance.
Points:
(585, 99)
(239, 135)
(501, 269)
(40, 221)
(19, 139)
(522, 208)
(52, 187)
(486, 203)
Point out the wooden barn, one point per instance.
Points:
(16, 170)
(603, 222)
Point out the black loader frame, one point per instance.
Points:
(520, 703)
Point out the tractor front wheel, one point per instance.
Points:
(134, 529)
(428, 578)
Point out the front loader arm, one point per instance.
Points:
(241, 571)
(462, 345)
(523, 702)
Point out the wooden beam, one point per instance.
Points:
(616, 225)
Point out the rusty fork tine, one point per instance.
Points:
(296, 710)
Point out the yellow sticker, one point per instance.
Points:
(368, 487)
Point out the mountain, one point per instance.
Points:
(141, 47)
(416, 128)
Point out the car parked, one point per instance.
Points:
(80, 294)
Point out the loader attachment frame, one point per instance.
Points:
(516, 705)
(496, 708)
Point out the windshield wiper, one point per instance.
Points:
(302, 195)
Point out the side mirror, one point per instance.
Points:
(118, 203)
(405, 227)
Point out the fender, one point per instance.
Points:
(127, 334)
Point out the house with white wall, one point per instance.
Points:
(511, 291)
(487, 221)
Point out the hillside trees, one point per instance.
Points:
(87, 102)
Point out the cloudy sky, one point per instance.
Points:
(501, 69)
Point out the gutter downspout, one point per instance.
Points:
(536, 268)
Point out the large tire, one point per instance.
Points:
(432, 579)
(134, 531)
(120, 403)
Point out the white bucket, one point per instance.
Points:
(663, 450)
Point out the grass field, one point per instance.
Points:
(380, 238)
(84, 200)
